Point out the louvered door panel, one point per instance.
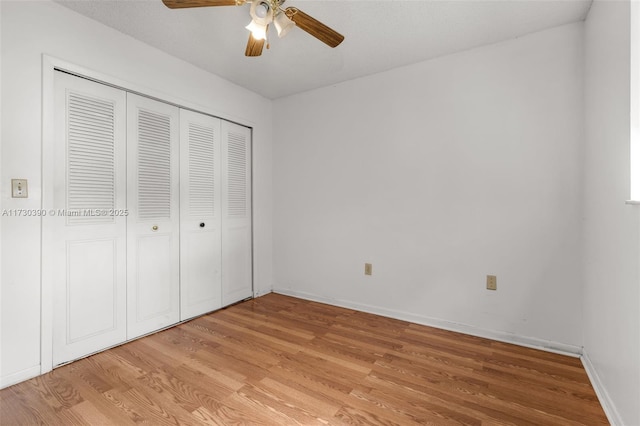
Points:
(90, 159)
(200, 218)
(85, 240)
(236, 220)
(154, 165)
(153, 222)
(202, 141)
(237, 174)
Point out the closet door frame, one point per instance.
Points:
(51, 64)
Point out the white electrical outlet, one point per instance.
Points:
(492, 282)
(368, 269)
(19, 188)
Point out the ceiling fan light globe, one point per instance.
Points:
(258, 31)
(261, 12)
(283, 24)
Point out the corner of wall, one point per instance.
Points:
(611, 230)
(601, 392)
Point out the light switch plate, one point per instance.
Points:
(19, 188)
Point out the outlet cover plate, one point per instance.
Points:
(492, 282)
(368, 268)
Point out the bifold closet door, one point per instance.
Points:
(153, 280)
(200, 218)
(87, 227)
(237, 237)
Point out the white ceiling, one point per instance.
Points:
(379, 35)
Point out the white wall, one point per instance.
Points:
(31, 29)
(439, 174)
(612, 229)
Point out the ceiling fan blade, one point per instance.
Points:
(314, 27)
(254, 46)
(179, 4)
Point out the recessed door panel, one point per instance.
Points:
(154, 263)
(92, 294)
(237, 263)
(201, 290)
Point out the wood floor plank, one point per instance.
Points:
(278, 360)
(297, 406)
(405, 409)
(20, 406)
(264, 342)
(324, 391)
(92, 415)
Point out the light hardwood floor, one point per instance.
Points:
(278, 360)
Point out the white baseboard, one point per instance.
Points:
(20, 376)
(262, 292)
(501, 336)
(603, 396)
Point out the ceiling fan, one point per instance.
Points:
(263, 13)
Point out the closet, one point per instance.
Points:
(151, 220)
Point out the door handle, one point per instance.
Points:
(201, 224)
(154, 228)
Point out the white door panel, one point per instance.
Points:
(201, 290)
(154, 262)
(88, 226)
(236, 220)
(91, 288)
(153, 280)
(200, 219)
(237, 263)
